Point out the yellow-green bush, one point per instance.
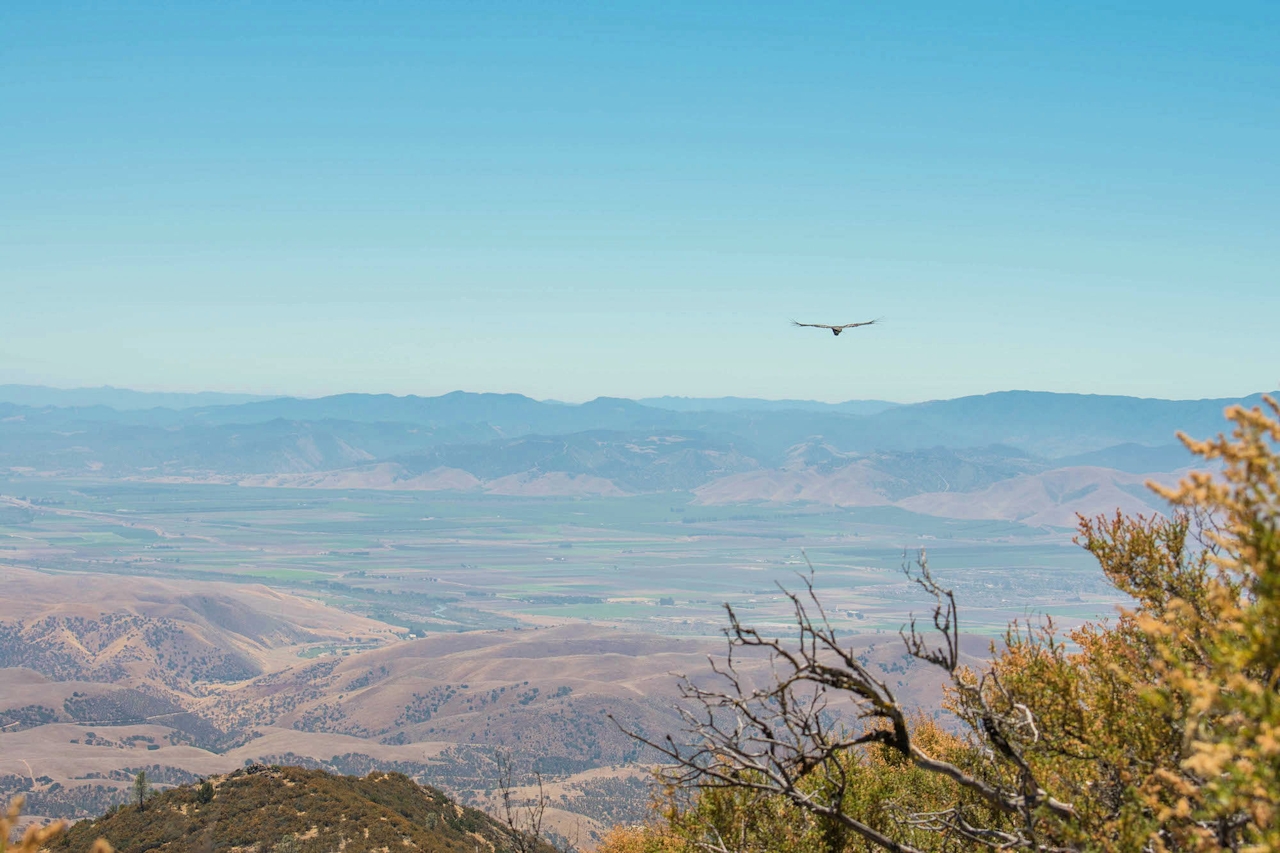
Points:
(1158, 731)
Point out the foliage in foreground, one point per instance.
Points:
(1160, 731)
(36, 838)
(33, 838)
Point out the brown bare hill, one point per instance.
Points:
(1054, 497)
(546, 693)
(261, 808)
(818, 472)
(171, 639)
(357, 699)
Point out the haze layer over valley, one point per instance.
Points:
(413, 583)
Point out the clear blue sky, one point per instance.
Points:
(580, 199)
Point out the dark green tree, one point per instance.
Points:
(141, 788)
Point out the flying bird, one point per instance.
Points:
(835, 330)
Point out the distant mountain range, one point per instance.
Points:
(118, 398)
(727, 449)
(125, 399)
(750, 404)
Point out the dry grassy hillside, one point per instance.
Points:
(1033, 497)
(1054, 498)
(125, 679)
(176, 638)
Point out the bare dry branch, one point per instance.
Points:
(524, 818)
(770, 738)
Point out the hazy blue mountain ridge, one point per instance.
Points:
(118, 398)
(1134, 458)
(749, 404)
(955, 444)
(636, 462)
(1056, 425)
(115, 449)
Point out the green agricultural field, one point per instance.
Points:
(449, 562)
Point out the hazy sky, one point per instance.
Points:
(580, 199)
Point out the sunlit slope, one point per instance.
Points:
(310, 809)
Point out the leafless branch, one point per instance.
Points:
(770, 738)
(524, 818)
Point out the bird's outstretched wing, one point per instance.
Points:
(825, 326)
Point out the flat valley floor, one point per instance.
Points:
(190, 629)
